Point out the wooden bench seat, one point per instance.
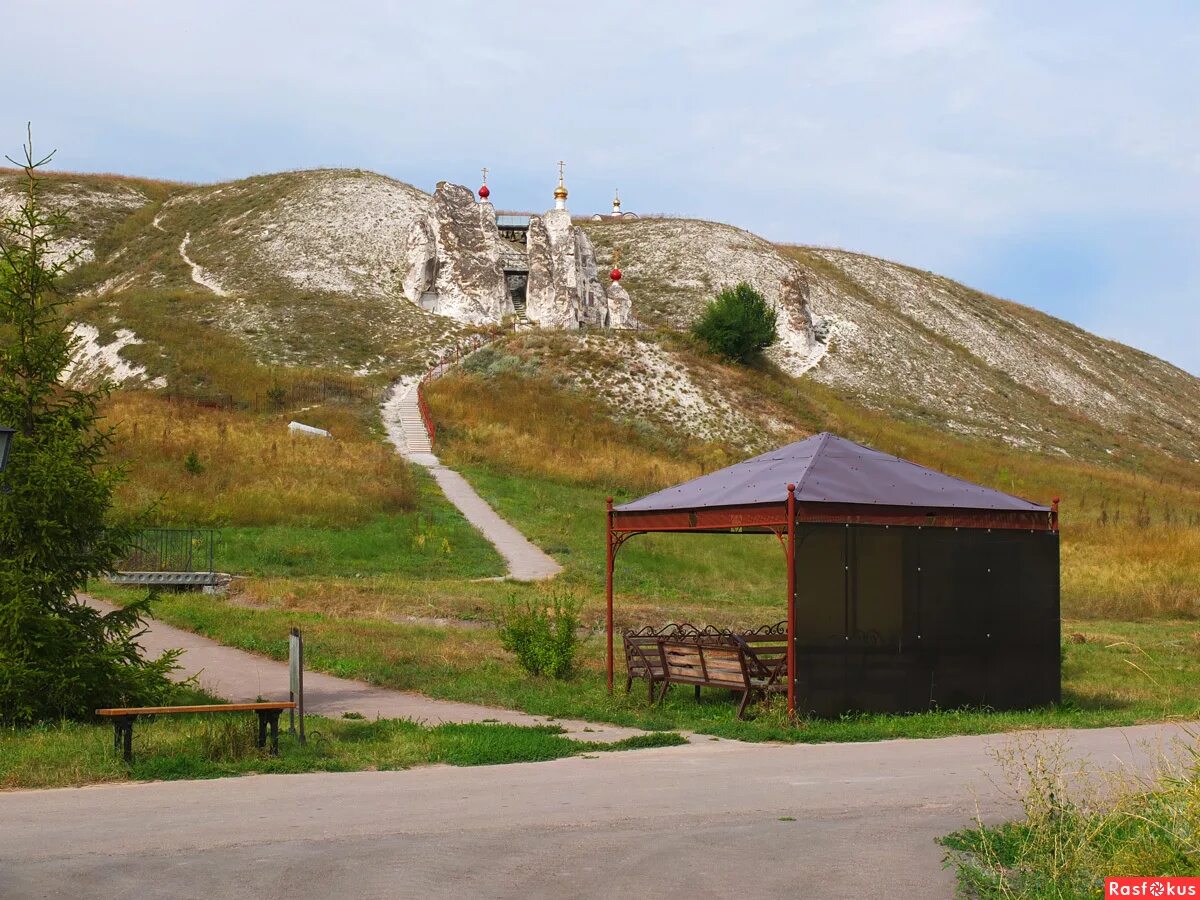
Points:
(753, 663)
(123, 719)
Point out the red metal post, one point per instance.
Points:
(791, 599)
(608, 587)
(1054, 514)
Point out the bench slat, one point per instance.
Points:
(212, 707)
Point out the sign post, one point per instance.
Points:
(296, 681)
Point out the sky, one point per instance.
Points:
(1048, 153)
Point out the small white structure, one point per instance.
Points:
(301, 428)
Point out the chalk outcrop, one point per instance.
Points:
(564, 289)
(454, 253)
(620, 306)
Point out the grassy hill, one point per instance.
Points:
(247, 294)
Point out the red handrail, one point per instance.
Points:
(454, 355)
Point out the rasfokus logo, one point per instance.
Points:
(1152, 887)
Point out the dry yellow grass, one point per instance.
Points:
(528, 426)
(1129, 572)
(251, 470)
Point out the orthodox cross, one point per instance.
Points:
(560, 170)
(616, 256)
(485, 174)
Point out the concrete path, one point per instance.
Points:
(706, 820)
(241, 677)
(406, 430)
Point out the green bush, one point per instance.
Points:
(738, 324)
(192, 464)
(543, 637)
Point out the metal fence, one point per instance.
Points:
(281, 397)
(172, 550)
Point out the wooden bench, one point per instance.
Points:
(123, 719)
(642, 659)
(752, 664)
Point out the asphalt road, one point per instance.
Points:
(704, 820)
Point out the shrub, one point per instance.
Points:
(542, 636)
(192, 464)
(738, 324)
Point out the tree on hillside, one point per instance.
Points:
(739, 324)
(58, 657)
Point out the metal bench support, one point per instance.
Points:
(123, 736)
(269, 717)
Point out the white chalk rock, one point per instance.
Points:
(301, 428)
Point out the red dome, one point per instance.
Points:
(484, 193)
(615, 274)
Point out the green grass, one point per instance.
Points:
(1123, 674)
(1080, 826)
(215, 745)
(435, 541)
(721, 579)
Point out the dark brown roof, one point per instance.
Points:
(828, 469)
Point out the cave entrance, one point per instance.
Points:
(517, 283)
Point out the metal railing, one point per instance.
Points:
(172, 550)
(449, 358)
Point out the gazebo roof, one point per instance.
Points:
(828, 469)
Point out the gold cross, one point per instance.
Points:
(485, 174)
(560, 170)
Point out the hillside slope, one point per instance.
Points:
(302, 271)
(923, 347)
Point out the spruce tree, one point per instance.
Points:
(59, 658)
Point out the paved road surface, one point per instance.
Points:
(696, 821)
(242, 677)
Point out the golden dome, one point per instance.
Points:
(560, 192)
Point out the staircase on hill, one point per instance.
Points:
(416, 437)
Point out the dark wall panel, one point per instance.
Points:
(905, 619)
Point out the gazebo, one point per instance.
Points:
(907, 588)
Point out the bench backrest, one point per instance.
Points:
(715, 661)
(763, 646)
(642, 659)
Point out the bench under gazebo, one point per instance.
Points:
(908, 589)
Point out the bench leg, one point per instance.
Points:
(666, 686)
(269, 718)
(697, 693)
(650, 688)
(741, 713)
(123, 736)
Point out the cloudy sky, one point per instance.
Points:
(1049, 153)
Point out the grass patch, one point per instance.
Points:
(1080, 826)
(251, 469)
(216, 745)
(1123, 674)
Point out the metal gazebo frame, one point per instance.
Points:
(782, 519)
